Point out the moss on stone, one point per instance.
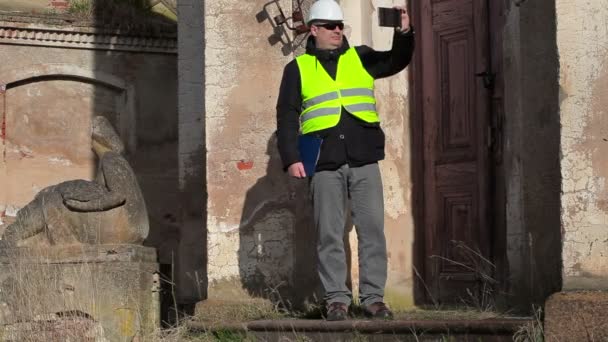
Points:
(398, 301)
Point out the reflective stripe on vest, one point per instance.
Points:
(323, 98)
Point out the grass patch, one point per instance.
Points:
(88, 8)
(453, 314)
(218, 312)
(533, 331)
(222, 313)
(181, 334)
(69, 293)
(121, 14)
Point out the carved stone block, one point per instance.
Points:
(102, 292)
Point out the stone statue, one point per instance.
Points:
(108, 210)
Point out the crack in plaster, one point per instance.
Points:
(584, 223)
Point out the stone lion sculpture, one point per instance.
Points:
(108, 210)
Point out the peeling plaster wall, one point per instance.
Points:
(583, 48)
(250, 214)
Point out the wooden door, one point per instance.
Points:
(454, 86)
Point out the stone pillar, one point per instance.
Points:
(191, 258)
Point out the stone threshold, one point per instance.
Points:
(495, 329)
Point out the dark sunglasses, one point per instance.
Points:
(331, 26)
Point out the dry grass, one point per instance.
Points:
(55, 328)
(43, 299)
(125, 15)
(90, 8)
(79, 324)
(483, 299)
(453, 314)
(531, 332)
(222, 312)
(471, 307)
(38, 305)
(182, 334)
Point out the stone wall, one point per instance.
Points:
(250, 208)
(58, 77)
(582, 38)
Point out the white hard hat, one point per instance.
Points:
(325, 10)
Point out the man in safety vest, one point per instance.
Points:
(329, 93)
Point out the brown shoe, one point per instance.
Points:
(337, 311)
(378, 310)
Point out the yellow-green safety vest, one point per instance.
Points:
(324, 97)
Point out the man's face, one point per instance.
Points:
(328, 35)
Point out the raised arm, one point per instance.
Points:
(380, 64)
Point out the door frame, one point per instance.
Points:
(497, 186)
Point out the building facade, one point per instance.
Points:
(495, 169)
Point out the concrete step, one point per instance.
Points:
(491, 330)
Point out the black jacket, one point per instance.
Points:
(351, 141)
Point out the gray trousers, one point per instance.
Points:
(330, 192)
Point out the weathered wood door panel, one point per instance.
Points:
(455, 51)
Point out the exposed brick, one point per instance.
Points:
(244, 165)
(62, 4)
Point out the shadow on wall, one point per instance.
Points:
(277, 253)
(281, 23)
(153, 154)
